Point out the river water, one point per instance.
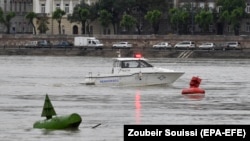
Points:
(25, 80)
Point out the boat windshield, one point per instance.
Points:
(135, 64)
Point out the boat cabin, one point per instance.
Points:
(130, 63)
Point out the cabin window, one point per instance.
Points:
(144, 64)
(135, 64)
(116, 64)
(124, 64)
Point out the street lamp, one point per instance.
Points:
(63, 30)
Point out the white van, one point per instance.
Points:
(233, 45)
(31, 44)
(185, 45)
(87, 42)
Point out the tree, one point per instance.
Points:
(229, 14)
(128, 22)
(235, 19)
(43, 24)
(93, 15)
(58, 14)
(105, 18)
(178, 19)
(31, 16)
(204, 19)
(154, 17)
(80, 14)
(83, 16)
(135, 8)
(6, 19)
(116, 9)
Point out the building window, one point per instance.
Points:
(5, 5)
(66, 8)
(247, 27)
(247, 8)
(11, 5)
(42, 8)
(75, 29)
(24, 7)
(219, 9)
(15, 7)
(211, 6)
(57, 6)
(202, 5)
(20, 7)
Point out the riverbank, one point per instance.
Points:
(107, 52)
(13, 44)
(138, 41)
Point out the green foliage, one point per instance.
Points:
(31, 16)
(105, 18)
(154, 18)
(81, 14)
(232, 12)
(43, 24)
(230, 5)
(204, 19)
(178, 19)
(6, 19)
(58, 14)
(225, 16)
(128, 21)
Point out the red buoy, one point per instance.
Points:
(194, 87)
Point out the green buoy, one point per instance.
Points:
(57, 122)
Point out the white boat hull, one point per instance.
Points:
(135, 79)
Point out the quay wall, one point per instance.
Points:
(13, 45)
(138, 40)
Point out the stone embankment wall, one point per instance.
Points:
(137, 40)
(13, 45)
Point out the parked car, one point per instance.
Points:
(233, 45)
(207, 46)
(64, 44)
(162, 45)
(122, 45)
(229, 46)
(44, 43)
(185, 45)
(31, 44)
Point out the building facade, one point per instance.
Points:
(245, 23)
(47, 7)
(19, 24)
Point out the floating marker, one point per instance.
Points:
(57, 122)
(194, 87)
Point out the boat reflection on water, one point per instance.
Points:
(194, 96)
(138, 107)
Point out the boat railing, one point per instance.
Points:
(90, 80)
(90, 75)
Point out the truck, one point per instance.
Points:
(87, 42)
